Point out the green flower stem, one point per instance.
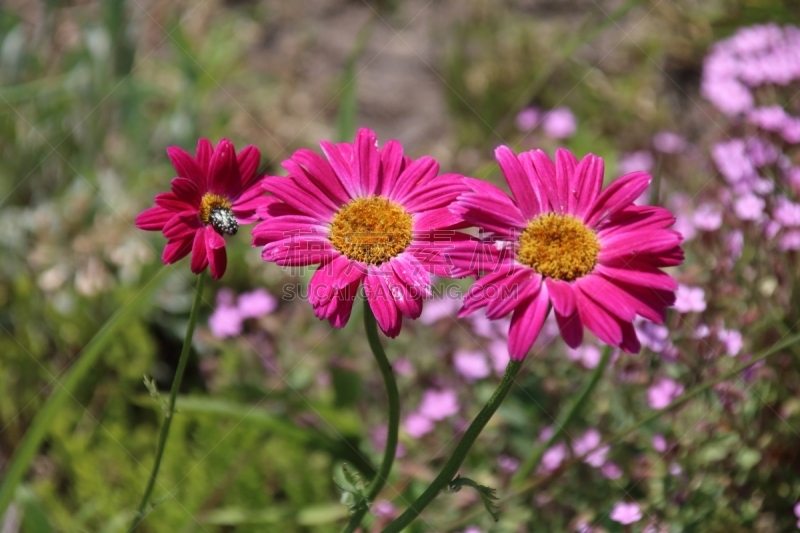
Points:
(173, 394)
(81, 366)
(563, 420)
(459, 454)
(621, 435)
(377, 483)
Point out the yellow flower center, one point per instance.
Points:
(559, 247)
(211, 202)
(371, 230)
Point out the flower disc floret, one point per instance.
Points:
(559, 247)
(210, 202)
(371, 230)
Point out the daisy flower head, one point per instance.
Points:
(365, 215)
(215, 192)
(562, 241)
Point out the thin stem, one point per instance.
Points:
(563, 420)
(459, 454)
(173, 394)
(377, 483)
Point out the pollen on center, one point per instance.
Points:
(371, 229)
(559, 246)
(210, 202)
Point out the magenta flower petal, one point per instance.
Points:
(342, 169)
(637, 218)
(570, 327)
(537, 164)
(437, 218)
(646, 277)
(332, 289)
(408, 300)
(420, 171)
(306, 199)
(187, 189)
(176, 250)
(588, 183)
(297, 251)
(606, 294)
(321, 173)
(154, 218)
(199, 252)
(217, 258)
(518, 181)
(566, 179)
(507, 290)
(526, 323)
(331, 277)
(367, 161)
(630, 341)
(562, 296)
(223, 174)
(186, 167)
(203, 157)
(433, 196)
(380, 300)
(618, 195)
(392, 165)
(248, 160)
(489, 208)
(412, 272)
(173, 202)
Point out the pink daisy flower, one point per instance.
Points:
(365, 215)
(214, 192)
(563, 242)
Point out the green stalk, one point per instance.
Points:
(173, 394)
(84, 363)
(563, 420)
(377, 483)
(459, 454)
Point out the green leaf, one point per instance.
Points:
(34, 517)
(342, 423)
(150, 383)
(318, 515)
(234, 516)
(488, 495)
(354, 489)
